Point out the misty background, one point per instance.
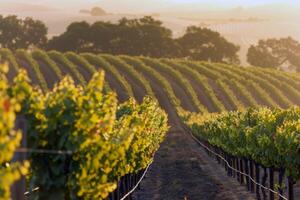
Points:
(241, 22)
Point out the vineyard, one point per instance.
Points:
(103, 136)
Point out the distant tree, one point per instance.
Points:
(275, 53)
(145, 36)
(204, 44)
(17, 33)
(35, 33)
(102, 36)
(76, 38)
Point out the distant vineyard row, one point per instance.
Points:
(192, 86)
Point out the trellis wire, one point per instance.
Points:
(137, 184)
(229, 166)
(43, 151)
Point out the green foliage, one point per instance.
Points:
(270, 137)
(239, 83)
(144, 36)
(241, 86)
(139, 65)
(232, 98)
(21, 33)
(101, 63)
(22, 54)
(81, 61)
(7, 55)
(205, 68)
(61, 59)
(276, 53)
(9, 140)
(270, 90)
(201, 80)
(43, 56)
(207, 45)
(163, 67)
(100, 141)
(119, 63)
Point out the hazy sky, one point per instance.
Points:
(150, 5)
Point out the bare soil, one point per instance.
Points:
(11, 73)
(220, 95)
(66, 71)
(180, 93)
(256, 96)
(182, 170)
(31, 73)
(239, 95)
(116, 86)
(49, 74)
(139, 90)
(202, 96)
(83, 71)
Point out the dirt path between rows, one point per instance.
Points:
(11, 74)
(30, 71)
(220, 94)
(138, 89)
(202, 96)
(182, 170)
(49, 74)
(180, 92)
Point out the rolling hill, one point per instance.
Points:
(179, 85)
(192, 86)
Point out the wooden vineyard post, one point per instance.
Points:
(233, 166)
(280, 182)
(251, 175)
(19, 187)
(264, 179)
(237, 164)
(271, 183)
(257, 179)
(247, 172)
(242, 170)
(290, 188)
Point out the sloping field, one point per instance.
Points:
(193, 86)
(181, 169)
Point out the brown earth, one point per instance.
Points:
(83, 71)
(220, 95)
(239, 95)
(11, 73)
(49, 74)
(181, 169)
(202, 96)
(31, 73)
(256, 96)
(180, 92)
(66, 71)
(139, 90)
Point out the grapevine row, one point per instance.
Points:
(201, 80)
(162, 67)
(121, 65)
(103, 141)
(139, 65)
(43, 56)
(22, 54)
(62, 60)
(269, 137)
(101, 63)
